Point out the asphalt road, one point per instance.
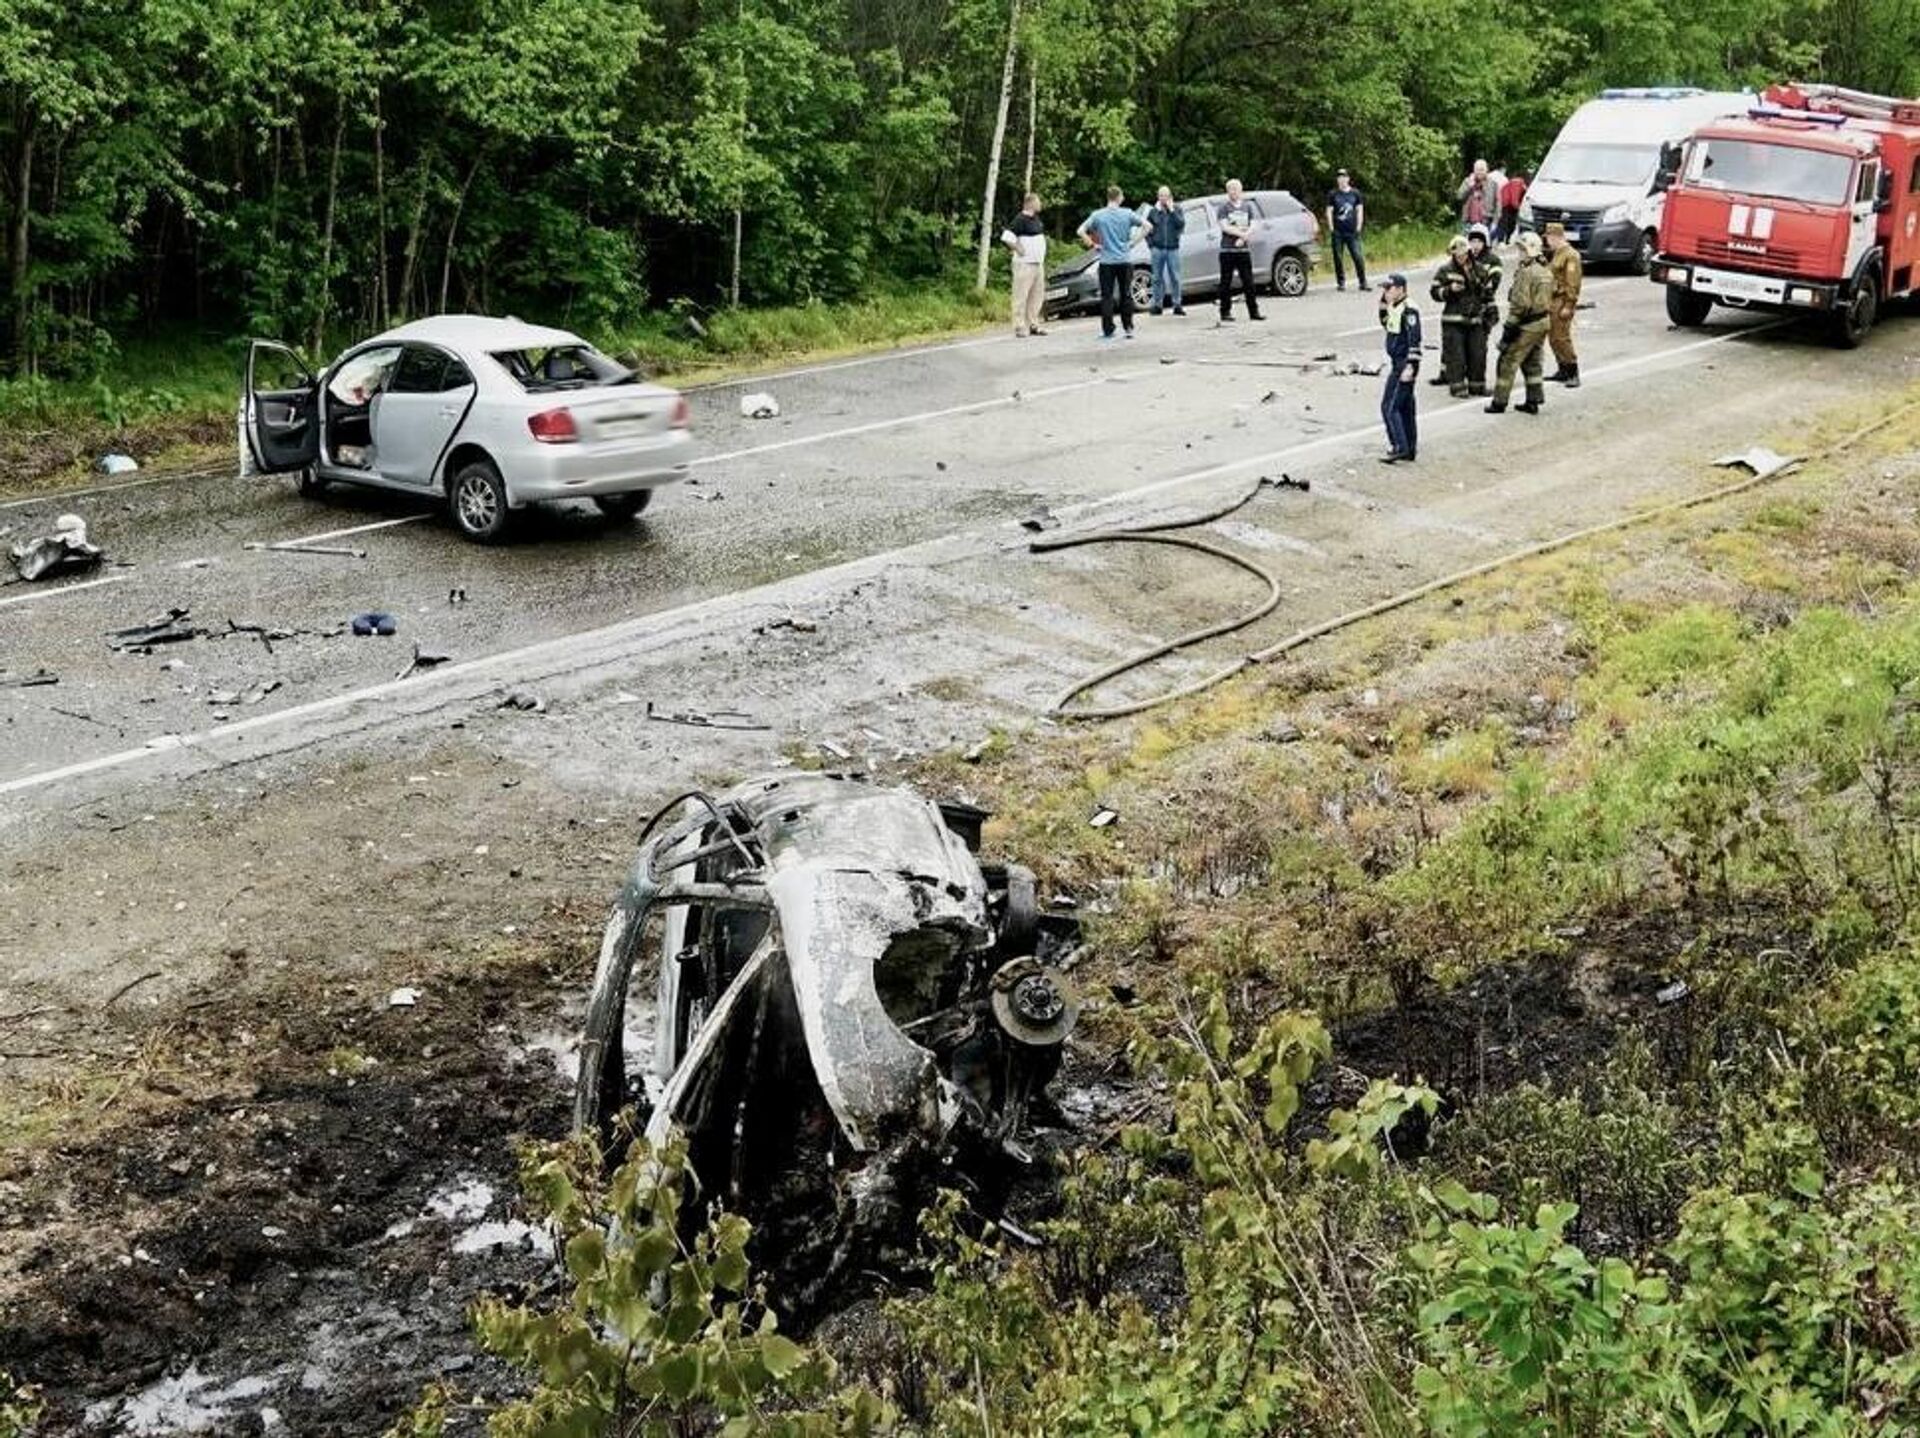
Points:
(878, 465)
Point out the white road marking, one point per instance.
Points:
(910, 352)
(62, 495)
(64, 589)
(997, 402)
(351, 529)
(545, 649)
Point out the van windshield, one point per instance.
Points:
(1782, 172)
(1599, 164)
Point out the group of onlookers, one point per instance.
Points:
(1540, 302)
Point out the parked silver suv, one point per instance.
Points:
(1286, 247)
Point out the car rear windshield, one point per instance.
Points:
(557, 367)
(1781, 172)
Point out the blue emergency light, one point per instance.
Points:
(1653, 92)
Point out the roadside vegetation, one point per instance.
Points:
(1526, 999)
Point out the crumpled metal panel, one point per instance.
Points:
(849, 868)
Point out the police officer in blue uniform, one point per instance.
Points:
(1401, 322)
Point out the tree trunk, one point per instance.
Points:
(453, 228)
(409, 259)
(19, 244)
(326, 231)
(1033, 125)
(733, 284)
(381, 309)
(999, 140)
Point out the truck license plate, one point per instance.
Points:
(1739, 287)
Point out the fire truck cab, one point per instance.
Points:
(1808, 204)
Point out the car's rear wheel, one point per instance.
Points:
(1141, 287)
(477, 499)
(1687, 308)
(623, 506)
(1289, 275)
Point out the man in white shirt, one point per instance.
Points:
(1026, 237)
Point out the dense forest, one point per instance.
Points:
(290, 166)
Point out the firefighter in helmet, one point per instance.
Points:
(1452, 290)
(1484, 305)
(1528, 301)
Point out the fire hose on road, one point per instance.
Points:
(1159, 534)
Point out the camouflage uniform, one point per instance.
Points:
(1484, 311)
(1528, 302)
(1567, 272)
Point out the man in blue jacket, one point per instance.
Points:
(1401, 322)
(1166, 223)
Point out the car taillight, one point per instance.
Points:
(553, 426)
(682, 413)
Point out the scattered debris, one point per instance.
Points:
(1761, 460)
(423, 659)
(130, 985)
(232, 699)
(759, 405)
(196, 564)
(799, 624)
(1103, 816)
(719, 719)
(941, 465)
(838, 751)
(374, 622)
(457, 596)
(1370, 699)
(66, 550)
(1270, 396)
(1041, 519)
(168, 628)
(34, 680)
(1282, 731)
(1673, 992)
(116, 464)
(977, 751)
(267, 637)
(526, 701)
(404, 998)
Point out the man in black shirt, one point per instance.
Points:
(1026, 237)
(1236, 252)
(1346, 218)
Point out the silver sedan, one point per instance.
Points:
(486, 415)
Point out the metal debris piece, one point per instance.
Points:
(1762, 461)
(403, 998)
(168, 628)
(341, 551)
(1041, 519)
(457, 595)
(423, 659)
(718, 719)
(1102, 817)
(838, 751)
(759, 405)
(28, 681)
(65, 550)
(977, 751)
(798, 623)
(1673, 992)
(526, 701)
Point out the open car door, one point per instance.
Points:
(280, 412)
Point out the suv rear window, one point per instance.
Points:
(561, 367)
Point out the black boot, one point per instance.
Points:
(1496, 406)
(1440, 379)
(1536, 396)
(1572, 379)
(1559, 376)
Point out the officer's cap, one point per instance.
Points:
(1396, 280)
(1554, 227)
(1529, 243)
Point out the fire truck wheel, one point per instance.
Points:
(1686, 308)
(1642, 260)
(1852, 324)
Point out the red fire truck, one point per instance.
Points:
(1808, 204)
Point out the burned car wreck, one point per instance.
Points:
(849, 1006)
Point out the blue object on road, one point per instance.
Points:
(374, 623)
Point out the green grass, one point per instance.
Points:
(1403, 243)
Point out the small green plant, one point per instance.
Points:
(657, 1333)
(20, 1408)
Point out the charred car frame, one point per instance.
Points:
(848, 1001)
